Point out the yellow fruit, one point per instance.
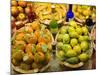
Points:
(27, 10)
(14, 10)
(20, 9)
(20, 36)
(21, 16)
(22, 3)
(14, 3)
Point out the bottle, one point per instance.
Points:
(69, 14)
(53, 26)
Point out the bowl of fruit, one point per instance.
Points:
(48, 11)
(21, 13)
(73, 45)
(82, 12)
(31, 48)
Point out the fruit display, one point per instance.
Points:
(46, 35)
(82, 12)
(48, 11)
(31, 48)
(73, 45)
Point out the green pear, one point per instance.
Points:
(73, 34)
(66, 47)
(60, 45)
(77, 48)
(83, 57)
(72, 23)
(84, 45)
(86, 38)
(71, 29)
(79, 30)
(60, 37)
(63, 30)
(73, 60)
(81, 38)
(71, 53)
(85, 30)
(66, 38)
(73, 42)
(60, 54)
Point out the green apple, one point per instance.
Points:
(84, 45)
(71, 53)
(66, 38)
(73, 42)
(60, 45)
(83, 57)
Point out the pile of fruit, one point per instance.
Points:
(82, 11)
(48, 11)
(32, 41)
(21, 12)
(31, 47)
(73, 43)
